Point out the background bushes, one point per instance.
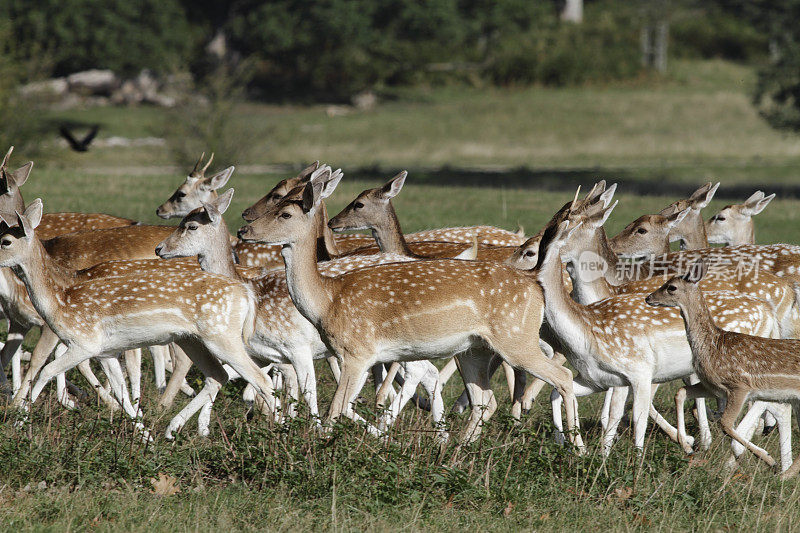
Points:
(332, 49)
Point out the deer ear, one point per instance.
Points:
(608, 194)
(312, 195)
(331, 184)
(607, 213)
(20, 176)
(676, 218)
(394, 186)
(34, 213)
(223, 201)
(595, 192)
(754, 208)
(218, 180)
(702, 196)
(306, 172)
(213, 213)
(696, 272)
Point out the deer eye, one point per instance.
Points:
(181, 195)
(529, 253)
(641, 231)
(720, 219)
(286, 215)
(6, 243)
(358, 205)
(671, 288)
(192, 227)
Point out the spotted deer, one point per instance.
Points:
(281, 333)
(195, 190)
(647, 237)
(619, 341)
(731, 364)
(417, 310)
(372, 210)
(733, 225)
(589, 260)
(690, 231)
(209, 316)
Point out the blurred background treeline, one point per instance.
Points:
(202, 59)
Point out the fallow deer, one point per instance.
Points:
(418, 310)
(281, 333)
(619, 341)
(691, 230)
(733, 225)
(208, 315)
(588, 258)
(730, 364)
(195, 190)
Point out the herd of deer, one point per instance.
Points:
(264, 306)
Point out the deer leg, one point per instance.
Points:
(447, 371)
(133, 365)
(474, 369)
(517, 390)
(303, 361)
(86, 369)
(159, 355)
(433, 386)
(116, 377)
(333, 363)
(736, 400)
(70, 359)
(290, 386)
(616, 409)
(581, 388)
(232, 352)
(795, 468)
(783, 418)
(463, 400)
(641, 408)
(9, 353)
(382, 394)
(354, 374)
(180, 368)
(215, 376)
(534, 386)
(702, 415)
(47, 343)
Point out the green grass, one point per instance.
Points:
(696, 123)
(251, 475)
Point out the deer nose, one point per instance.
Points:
(159, 249)
(243, 231)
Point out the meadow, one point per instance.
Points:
(476, 156)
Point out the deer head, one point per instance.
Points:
(10, 181)
(196, 190)
(17, 236)
(675, 291)
(290, 219)
(369, 209)
(647, 235)
(733, 225)
(278, 192)
(691, 230)
(199, 231)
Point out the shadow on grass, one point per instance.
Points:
(650, 183)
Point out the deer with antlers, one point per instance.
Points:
(417, 310)
(209, 316)
(590, 261)
(731, 364)
(733, 225)
(281, 333)
(617, 342)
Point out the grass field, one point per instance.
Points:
(250, 475)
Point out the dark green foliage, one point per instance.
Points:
(712, 31)
(777, 94)
(122, 35)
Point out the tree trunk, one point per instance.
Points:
(573, 11)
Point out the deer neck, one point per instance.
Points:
(587, 286)
(746, 236)
(217, 257)
(614, 274)
(566, 317)
(702, 332)
(327, 248)
(311, 293)
(696, 239)
(45, 279)
(389, 235)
